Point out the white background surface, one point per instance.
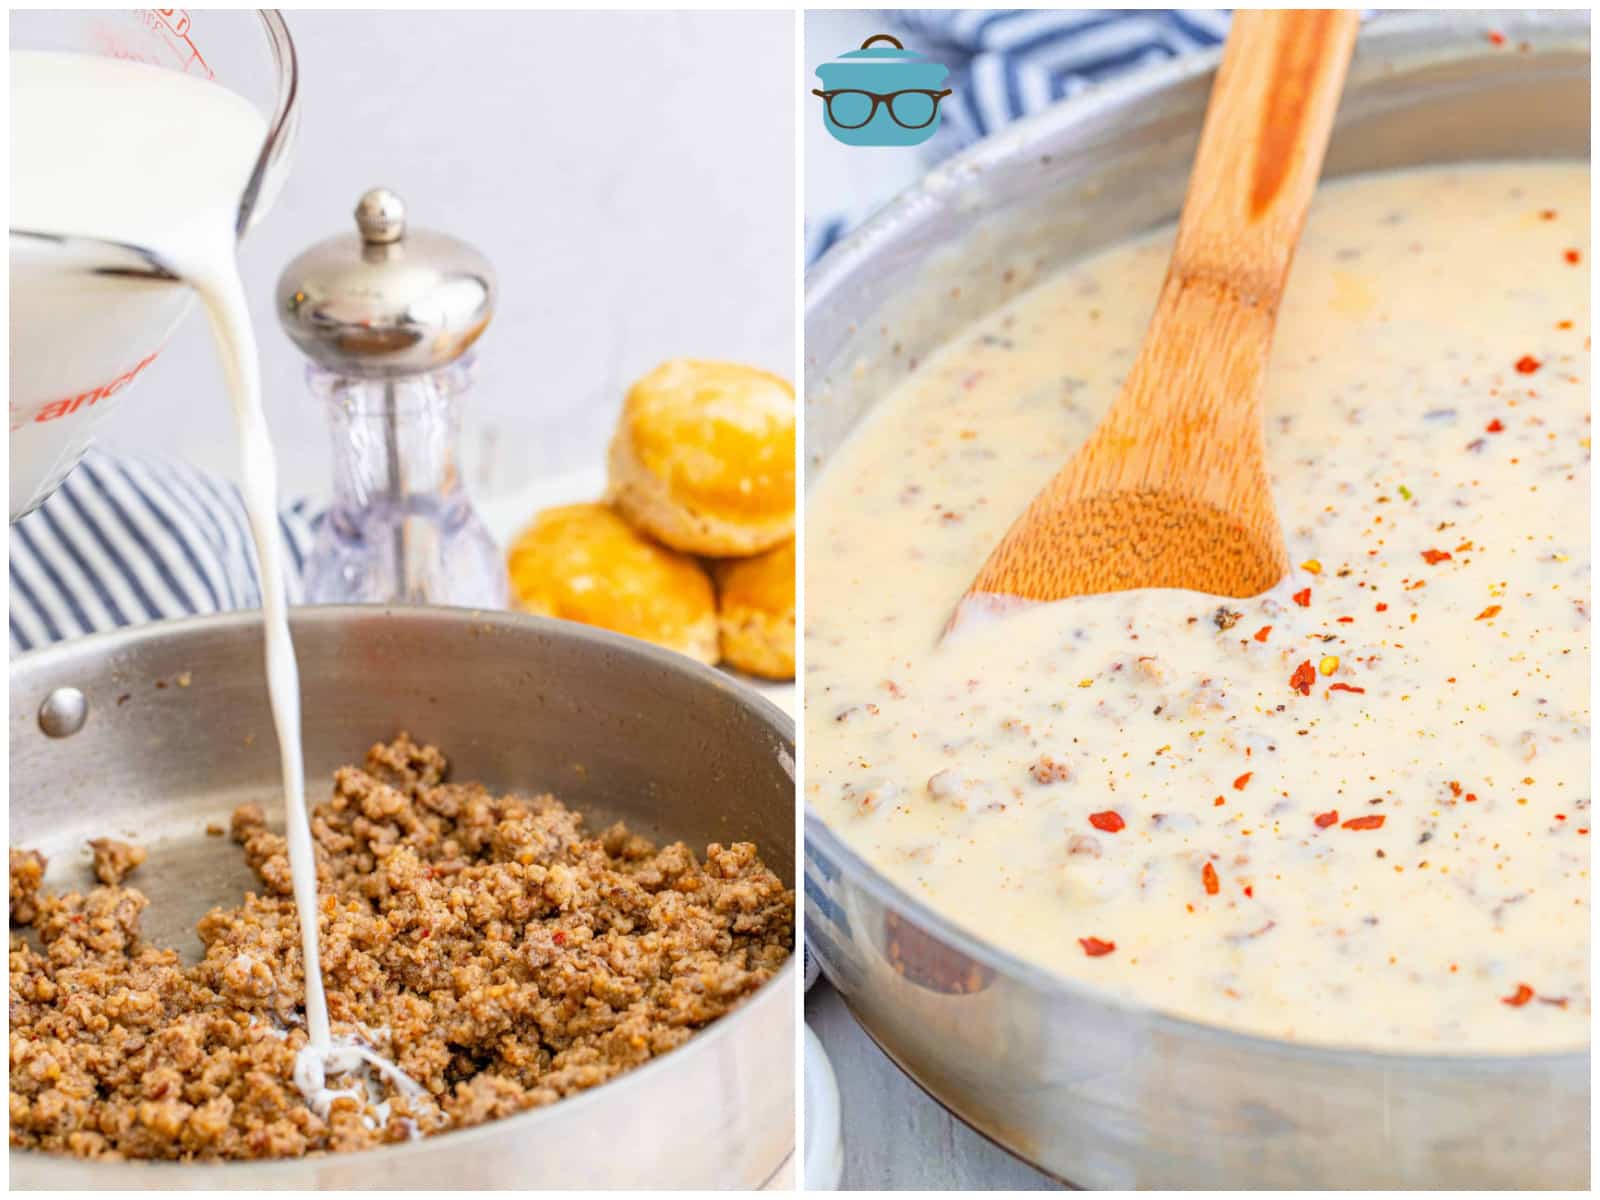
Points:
(631, 176)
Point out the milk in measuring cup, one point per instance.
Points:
(126, 153)
(115, 151)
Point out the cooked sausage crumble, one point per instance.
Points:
(498, 954)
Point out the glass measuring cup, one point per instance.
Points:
(88, 315)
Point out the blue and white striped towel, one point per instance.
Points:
(124, 541)
(1009, 63)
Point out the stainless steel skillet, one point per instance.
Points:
(178, 732)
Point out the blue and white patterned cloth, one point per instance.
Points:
(1008, 63)
(124, 541)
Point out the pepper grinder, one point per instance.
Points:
(387, 316)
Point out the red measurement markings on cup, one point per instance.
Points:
(174, 27)
(175, 19)
(71, 404)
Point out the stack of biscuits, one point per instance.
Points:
(693, 547)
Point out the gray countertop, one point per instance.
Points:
(895, 1136)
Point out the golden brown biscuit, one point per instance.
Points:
(755, 609)
(703, 458)
(584, 563)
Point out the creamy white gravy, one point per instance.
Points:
(1146, 771)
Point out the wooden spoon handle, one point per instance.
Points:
(1172, 488)
(1277, 91)
(1189, 414)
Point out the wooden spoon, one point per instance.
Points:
(1171, 490)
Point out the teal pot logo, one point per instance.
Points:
(881, 95)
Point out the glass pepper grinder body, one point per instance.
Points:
(387, 318)
(401, 527)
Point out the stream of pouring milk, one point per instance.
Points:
(147, 157)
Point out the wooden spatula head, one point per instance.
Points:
(1141, 539)
(1172, 490)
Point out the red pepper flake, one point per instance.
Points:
(1218, 802)
(1208, 876)
(1331, 817)
(1434, 557)
(1303, 597)
(1455, 787)
(1382, 608)
(1347, 687)
(427, 933)
(1496, 38)
(1239, 783)
(1304, 676)
(1094, 947)
(1347, 620)
(1375, 821)
(1548, 214)
(1471, 797)
(1495, 426)
(1527, 364)
(1492, 611)
(1261, 634)
(1521, 996)
(560, 937)
(1108, 821)
(1250, 891)
(1563, 324)
(1573, 257)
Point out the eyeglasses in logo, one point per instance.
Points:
(876, 96)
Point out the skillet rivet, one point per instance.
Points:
(63, 712)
